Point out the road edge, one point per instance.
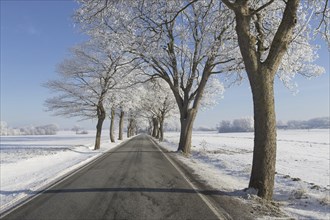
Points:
(22, 201)
(221, 214)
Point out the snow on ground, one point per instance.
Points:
(29, 163)
(302, 182)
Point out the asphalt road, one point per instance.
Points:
(134, 181)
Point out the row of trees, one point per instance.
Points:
(187, 44)
(98, 83)
(6, 130)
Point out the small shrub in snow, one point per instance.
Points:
(203, 145)
(325, 201)
(298, 194)
(316, 187)
(250, 193)
(83, 132)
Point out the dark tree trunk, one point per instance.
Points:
(133, 127)
(161, 130)
(150, 127)
(101, 117)
(128, 131)
(155, 127)
(264, 154)
(112, 123)
(187, 122)
(158, 132)
(121, 125)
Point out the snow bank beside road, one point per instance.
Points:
(29, 163)
(302, 180)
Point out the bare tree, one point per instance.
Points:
(86, 80)
(269, 40)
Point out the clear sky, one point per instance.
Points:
(36, 36)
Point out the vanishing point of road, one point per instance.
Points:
(136, 180)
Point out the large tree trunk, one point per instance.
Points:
(101, 117)
(112, 122)
(155, 127)
(187, 122)
(264, 154)
(261, 77)
(121, 125)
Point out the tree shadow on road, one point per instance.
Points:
(121, 189)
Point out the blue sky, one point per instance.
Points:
(36, 36)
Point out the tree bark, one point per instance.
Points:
(131, 127)
(155, 127)
(261, 78)
(128, 131)
(150, 127)
(101, 117)
(112, 122)
(121, 125)
(161, 129)
(264, 154)
(187, 122)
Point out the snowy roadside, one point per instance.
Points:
(302, 189)
(31, 163)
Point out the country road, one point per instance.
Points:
(133, 181)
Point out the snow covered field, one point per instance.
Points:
(303, 157)
(302, 188)
(29, 163)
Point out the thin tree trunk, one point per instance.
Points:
(128, 130)
(133, 131)
(161, 130)
(101, 117)
(112, 122)
(130, 127)
(121, 125)
(264, 154)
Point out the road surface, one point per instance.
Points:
(134, 181)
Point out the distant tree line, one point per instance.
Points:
(237, 125)
(314, 123)
(50, 129)
(246, 124)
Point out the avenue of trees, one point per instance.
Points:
(149, 60)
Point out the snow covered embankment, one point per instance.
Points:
(30, 163)
(302, 180)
